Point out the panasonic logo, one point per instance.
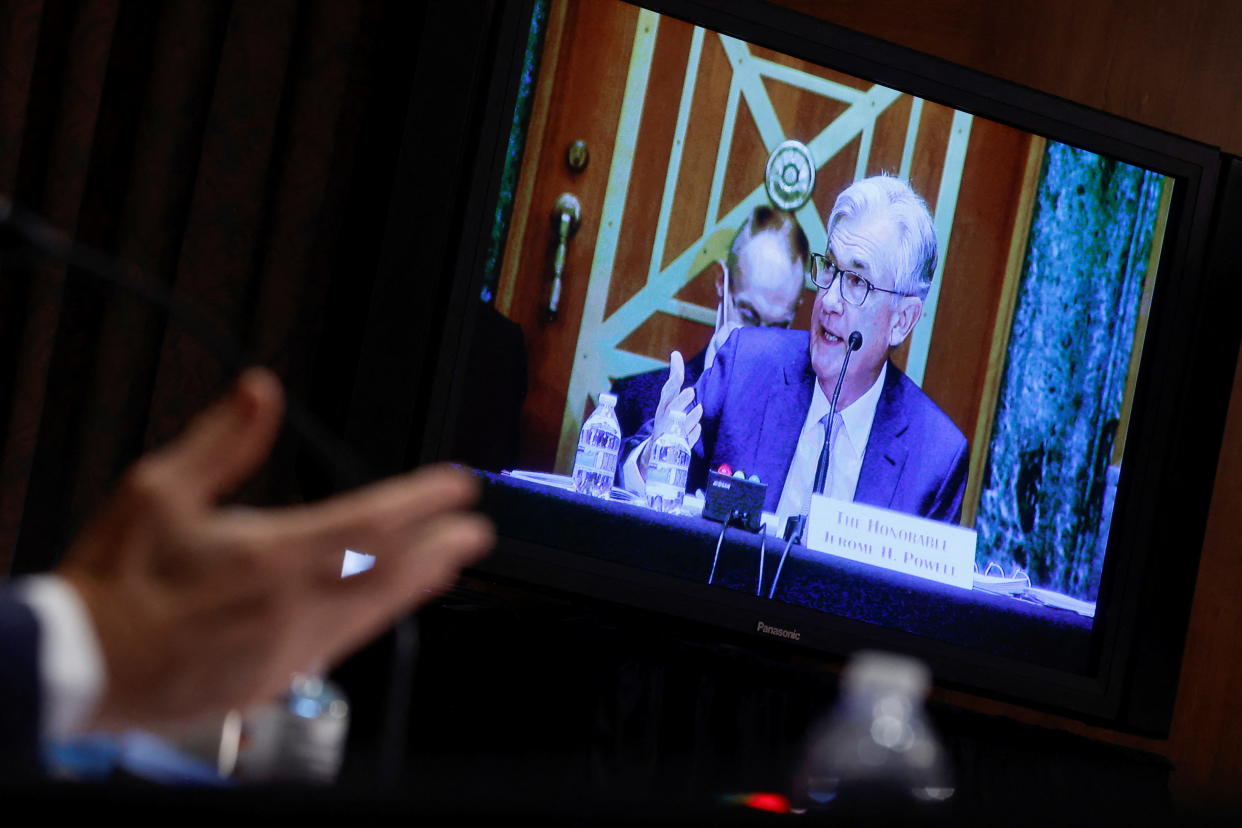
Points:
(778, 632)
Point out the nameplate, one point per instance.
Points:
(942, 552)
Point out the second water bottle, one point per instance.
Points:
(669, 467)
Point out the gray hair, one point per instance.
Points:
(914, 261)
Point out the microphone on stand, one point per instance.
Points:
(821, 470)
(796, 524)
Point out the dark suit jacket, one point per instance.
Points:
(638, 395)
(755, 399)
(19, 689)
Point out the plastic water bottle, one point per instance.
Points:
(298, 738)
(876, 754)
(599, 444)
(669, 467)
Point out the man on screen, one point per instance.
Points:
(759, 285)
(762, 406)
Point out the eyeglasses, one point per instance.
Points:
(750, 317)
(854, 288)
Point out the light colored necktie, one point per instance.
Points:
(802, 471)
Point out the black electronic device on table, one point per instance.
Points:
(734, 498)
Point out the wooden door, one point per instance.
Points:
(583, 69)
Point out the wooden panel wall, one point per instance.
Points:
(587, 41)
(1176, 66)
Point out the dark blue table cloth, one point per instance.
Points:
(684, 547)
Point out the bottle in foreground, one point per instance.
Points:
(599, 445)
(299, 738)
(876, 753)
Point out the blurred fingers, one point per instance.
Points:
(225, 444)
(432, 559)
(357, 608)
(375, 517)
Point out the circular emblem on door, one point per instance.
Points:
(790, 176)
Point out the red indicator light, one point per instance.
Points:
(775, 803)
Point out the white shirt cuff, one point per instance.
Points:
(71, 667)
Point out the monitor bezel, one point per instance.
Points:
(1166, 390)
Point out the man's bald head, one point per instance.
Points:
(767, 265)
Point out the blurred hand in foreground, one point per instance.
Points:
(201, 608)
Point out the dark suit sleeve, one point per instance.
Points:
(19, 688)
(710, 391)
(948, 503)
(916, 459)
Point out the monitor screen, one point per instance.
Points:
(690, 230)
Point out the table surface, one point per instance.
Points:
(685, 547)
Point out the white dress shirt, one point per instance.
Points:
(849, 442)
(71, 666)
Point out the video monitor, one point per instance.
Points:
(669, 186)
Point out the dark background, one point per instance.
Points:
(299, 171)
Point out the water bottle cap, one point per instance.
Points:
(608, 399)
(872, 671)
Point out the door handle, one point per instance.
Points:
(566, 215)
